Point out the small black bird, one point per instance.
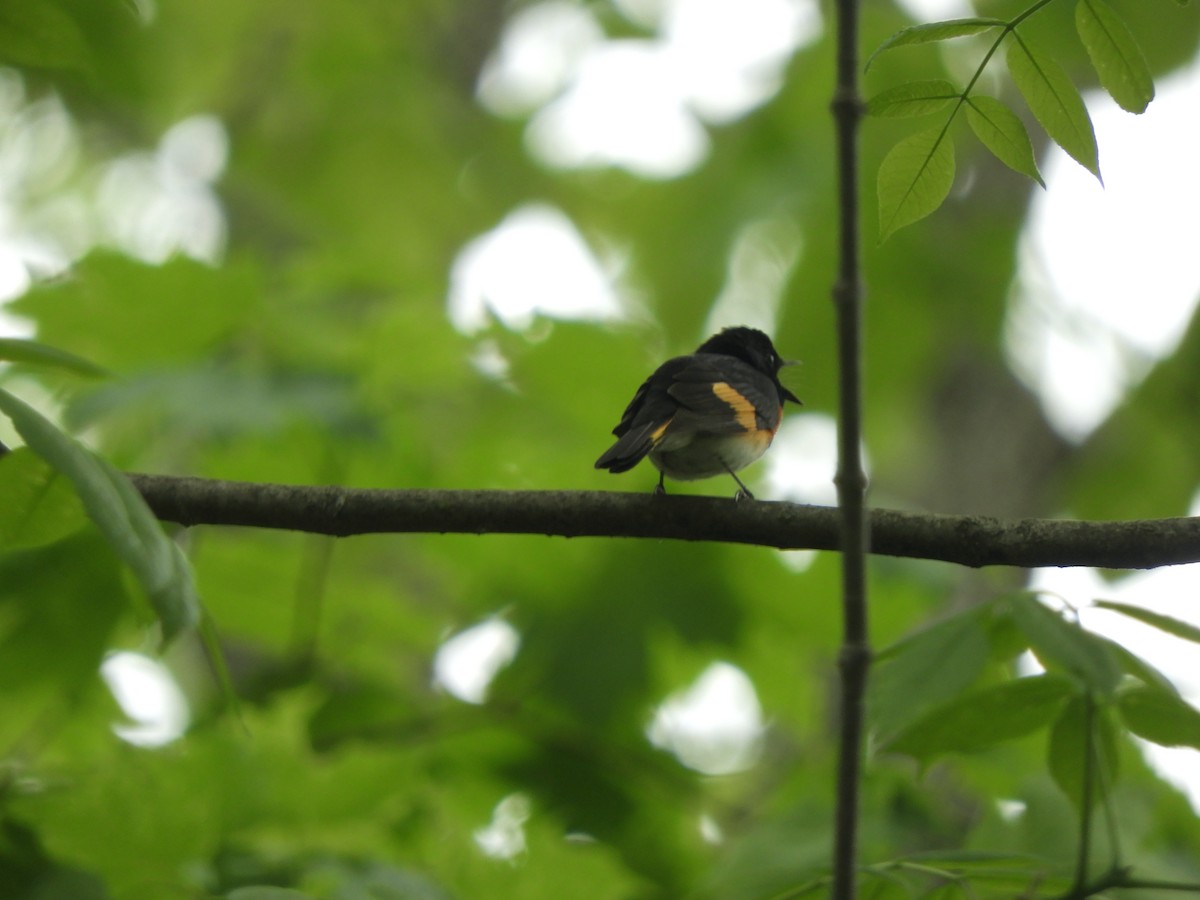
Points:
(713, 412)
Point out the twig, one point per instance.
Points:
(974, 541)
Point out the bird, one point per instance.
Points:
(710, 413)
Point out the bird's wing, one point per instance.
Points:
(717, 395)
(645, 419)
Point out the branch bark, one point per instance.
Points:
(854, 660)
(974, 541)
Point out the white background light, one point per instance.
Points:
(1109, 277)
(147, 693)
(638, 103)
(715, 726)
(466, 663)
(533, 263)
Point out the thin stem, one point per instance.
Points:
(1009, 28)
(1033, 8)
(1121, 878)
(1104, 766)
(851, 479)
(309, 599)
(312, 580)
(1085, 797)
(1151, 884)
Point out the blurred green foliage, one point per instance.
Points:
(318, 350)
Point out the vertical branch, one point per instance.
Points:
(855, 655)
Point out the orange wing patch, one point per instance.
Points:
(657, 434)
(743, 409)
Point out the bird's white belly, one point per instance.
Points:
(704, 457)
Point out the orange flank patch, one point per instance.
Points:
(742, 408)
(762, 440)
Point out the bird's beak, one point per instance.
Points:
(788, 395)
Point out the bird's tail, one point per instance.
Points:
(628, 451)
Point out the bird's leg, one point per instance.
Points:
(659, 490)
(743, 492)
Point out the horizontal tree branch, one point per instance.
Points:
(967, 540)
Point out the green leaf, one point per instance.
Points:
(926, 669)
(1059, 644)
(1160, 717)
(997, 869)
(266, 892)
(59, 604)
(358, 712)
(881, 883)
(916, 98)
(35, 354)
(914, 179)
(219, 402)
(936, 31)
(211, 641)
(979, 863)
(37, 505)
(1069, 742)
(1115, 55)
(1056, 104)
(41, 34)
(130, 315)
(951, 890)
(983, 718)
(999, 129)
(114, 504)
(1177, 627)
